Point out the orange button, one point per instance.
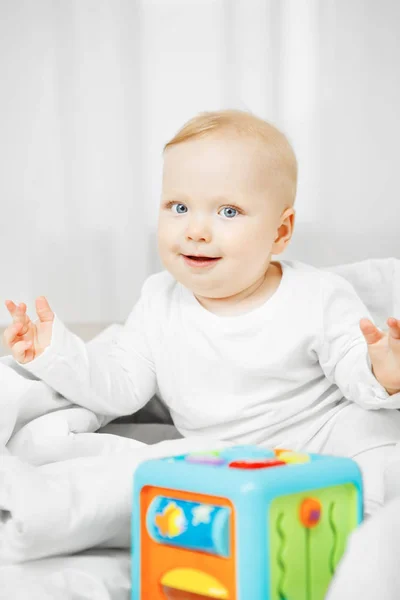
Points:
(310, 512)
(279, 451)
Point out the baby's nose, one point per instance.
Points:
(198, 231)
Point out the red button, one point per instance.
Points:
(256, 463)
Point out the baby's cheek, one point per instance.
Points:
(173, 244)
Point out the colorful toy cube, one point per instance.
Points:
(243, 523)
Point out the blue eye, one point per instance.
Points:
(180, 209)
(177, 205)
(231, 209)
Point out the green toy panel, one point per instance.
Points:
(303, 558)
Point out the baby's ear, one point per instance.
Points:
(285, 230)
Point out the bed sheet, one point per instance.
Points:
(91, 575)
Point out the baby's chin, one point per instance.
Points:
(215, 283)
(207, 289)
(199, 282)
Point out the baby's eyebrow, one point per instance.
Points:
(171, 197)
(236, 201)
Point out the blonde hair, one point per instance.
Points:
(281, 154)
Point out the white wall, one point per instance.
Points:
(90, 90)
(73, 219)
(325, 72)
(357, 200)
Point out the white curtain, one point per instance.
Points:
(90, 90)
(74, 220)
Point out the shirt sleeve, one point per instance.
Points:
(113, 380)
(342, 349)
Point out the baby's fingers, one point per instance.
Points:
(11, 307)
(12, 334)
(43, 310)
(18, 313)
(394, 327)
(20, 349)
(371, 333)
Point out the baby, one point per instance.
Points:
(240, 347)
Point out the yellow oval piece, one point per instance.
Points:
(195, 582)
(294, 457)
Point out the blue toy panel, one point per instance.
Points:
(197, 473)
(189, 525)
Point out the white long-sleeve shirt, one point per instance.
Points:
(276, 373)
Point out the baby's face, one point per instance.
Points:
(217, 201)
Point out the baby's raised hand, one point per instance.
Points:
(384, 352)
(27, 339)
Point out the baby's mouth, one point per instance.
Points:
(200, 261)
(202, 258)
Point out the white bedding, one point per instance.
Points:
(65, 489)
(71, 506)
(91, 575)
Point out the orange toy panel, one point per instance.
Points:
(162, 564)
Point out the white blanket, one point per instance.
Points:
(75, 504)
(92, 575)
(33, 414)
(66, 489)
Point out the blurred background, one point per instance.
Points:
(91, 90)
